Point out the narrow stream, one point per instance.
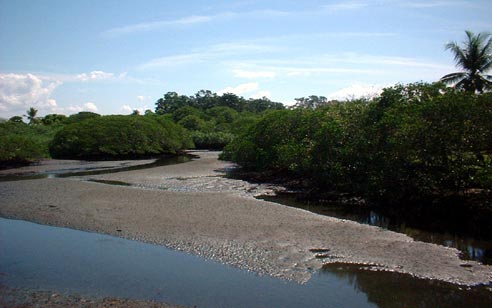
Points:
(52, 258)
(89, 169)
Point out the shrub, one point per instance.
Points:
(212, 140)
(117, 137)
(22, 143)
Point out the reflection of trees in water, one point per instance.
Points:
(391, 290)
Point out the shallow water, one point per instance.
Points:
(88, 169)
(65, 260)
(471, 248)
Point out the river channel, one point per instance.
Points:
(43, 257)
(69, 261)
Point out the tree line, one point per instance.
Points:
(203, 121)
(414, 142)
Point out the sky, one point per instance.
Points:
(116, 56)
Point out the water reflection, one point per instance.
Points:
(84, 170)
(470, 247)
(389, 290)
(51, 258)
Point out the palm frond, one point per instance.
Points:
(453, 77)
(459, 54)
(486, 55)
(486, 66)
(465, 84)
(475, 57)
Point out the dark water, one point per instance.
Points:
(83, 170)
(472, 248)
(65, 260)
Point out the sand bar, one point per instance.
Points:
(192, 207)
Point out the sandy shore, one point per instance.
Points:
(192, 207)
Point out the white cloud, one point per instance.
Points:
(240, 89)
(143, 98)
(214, 52)
(162, 24)
(261, 94)
(253, 74)
(347, 5)
(241, 47)
(89, 106)
(96, 75)
(307, 71)
(19, 92)
(434, 4)
(357, 91)
(173, 60)
(126, 109)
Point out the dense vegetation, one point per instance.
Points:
(204, 121)
(21, 143)
(119, 137)
(213, 120)
(414, 142)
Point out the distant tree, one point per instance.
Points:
(192, 122)
(16, 119)
(311, 102)
(81, 116)
(135, 112)
(475, 58)
(31, 115)
(205, 99)
(259, 105)
(185, 111)
(51, 119)
(231, 100)
(170, 102)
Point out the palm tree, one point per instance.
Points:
(31, 115)
(475, 58)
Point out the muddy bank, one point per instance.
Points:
(54, 166)
(192, 207)
(23, 298)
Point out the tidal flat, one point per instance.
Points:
(193, 207)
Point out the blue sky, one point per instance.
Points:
(112, 57)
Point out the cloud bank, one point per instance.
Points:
(19, 92)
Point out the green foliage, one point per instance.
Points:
(414, 142)
(81, 116)
(54, 119)
(260, 105)
(117, 137)
(185, 111)
(205, 100)
(212, 140)
(311, 102)
(213, 120)
(16, 119)
(475, 58)
(192, 122)
(22, 143)
(31, 116)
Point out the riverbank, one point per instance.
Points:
(192, 207)
(20, 298)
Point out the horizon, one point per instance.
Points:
(114, 57)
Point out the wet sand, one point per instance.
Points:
(192, 207)
(24, 298)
